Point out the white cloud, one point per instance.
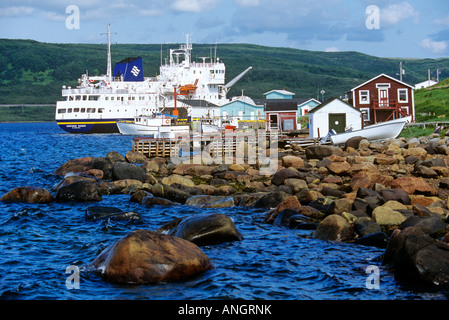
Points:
(193, 5)
(53, 16)
(436, 47)
(443, 21)
(15, 11)
(396, 13)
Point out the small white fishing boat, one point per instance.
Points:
(159, 126)
(378, 131)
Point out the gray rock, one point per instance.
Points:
(124, 170)
(207, 229)
(365, 226)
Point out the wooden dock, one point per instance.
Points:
(216, 145)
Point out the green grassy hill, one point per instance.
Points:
(432, 104)
(34, 72)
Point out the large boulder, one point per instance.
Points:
(69, 179)
(75, 165)
(334, 228)
(415, 255)
(124, 170)
(149, 257)
(81, 191)
(207, 229)
(28, 194)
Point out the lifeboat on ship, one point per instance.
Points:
(188, 88)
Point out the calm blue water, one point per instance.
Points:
(38, 242)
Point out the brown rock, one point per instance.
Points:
(75, 166)
(292, 161)
(417, 152)
(363, 179)
(151, 166)
(382, 159)
(334, 228)
(363, 166)
(135, 157)
(332, 179)
(28, 194)
(291, 203)
(341, 205)
(200, 170)
(413, 185)
(180, 169)
(149, 257)
(339, 168)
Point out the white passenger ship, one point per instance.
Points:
(98, 102)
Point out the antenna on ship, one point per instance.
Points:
(109, 69)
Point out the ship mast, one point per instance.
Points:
(109, 68)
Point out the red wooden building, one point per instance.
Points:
(383, 98)
(281, 116)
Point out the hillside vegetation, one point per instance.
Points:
(34, 72)
(432, 104)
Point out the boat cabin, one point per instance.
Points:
(383, 98)
(281, 116)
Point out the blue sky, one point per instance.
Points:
(406, 29)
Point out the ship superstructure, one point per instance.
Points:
(98, 102)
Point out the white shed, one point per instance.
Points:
(333, 114)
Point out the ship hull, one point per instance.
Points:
(89, 126)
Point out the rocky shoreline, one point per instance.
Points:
(391, 195)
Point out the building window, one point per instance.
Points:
(364, 96)
(403, 95)
(366, 115)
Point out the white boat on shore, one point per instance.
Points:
(378, 131)
(159, 126)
